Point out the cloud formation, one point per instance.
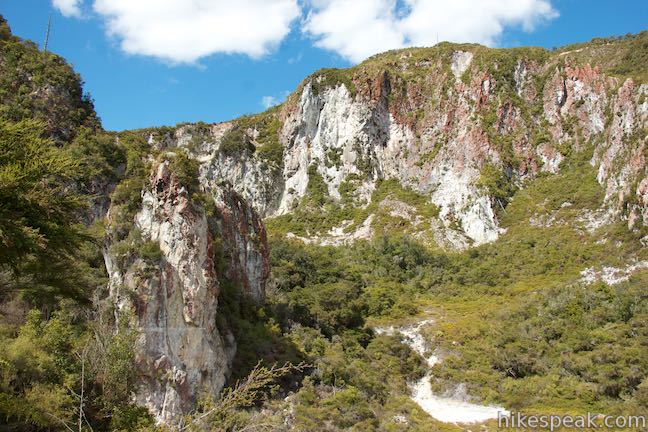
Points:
(68, 8)
(359, 29)
(269, 101)
(182, 31)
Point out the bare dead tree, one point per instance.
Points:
(79, 411)
(244, 394)
(47, 34)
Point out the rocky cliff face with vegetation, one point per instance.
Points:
(494, 200)
(462, 125)
(168, 241)
(164, 283)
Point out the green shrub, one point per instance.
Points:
(150, 251)
(240, 139)
(185, 170)
(332, 77)
(496, 185)
(328, 307)
(236, 142)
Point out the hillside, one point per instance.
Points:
(463, 126)
(455, 225)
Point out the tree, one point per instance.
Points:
(39, 211)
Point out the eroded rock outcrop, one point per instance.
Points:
(434, 120)
(244, 240)
(167, 287)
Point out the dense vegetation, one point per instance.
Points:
(37, 219)
(57, 351)
(40, 85)
(258, 134)
(513, 321)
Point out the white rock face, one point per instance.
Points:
(172, 304)
(251, 179)
(551, 159)
(371, 135)
(459, 199)
(337, 136)
(612, 275)
(520, 75)
(622, 161)
(460, 62)
(332, 123)
(326, 132)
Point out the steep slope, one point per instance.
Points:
(462, 125)
(40, 85)
(148, 313)
(171, 241)
(170, 293)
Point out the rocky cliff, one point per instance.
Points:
(164, 283)
(431, 142)
(462, 125)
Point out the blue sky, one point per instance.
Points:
(216, 60)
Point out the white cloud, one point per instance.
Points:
(69, 8)
(354, 29)
(182, 31)
(358, 29)
(269, 101)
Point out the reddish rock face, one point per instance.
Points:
(434, 123)
(245, 242)
(576, 105)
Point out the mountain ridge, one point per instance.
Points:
(516, 117)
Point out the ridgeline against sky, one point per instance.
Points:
(149, 63)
